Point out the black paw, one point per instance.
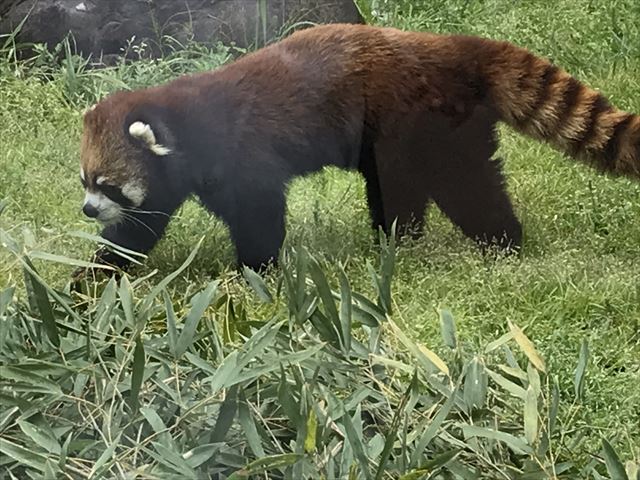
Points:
(84, 275)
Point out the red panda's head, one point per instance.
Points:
(115, 146)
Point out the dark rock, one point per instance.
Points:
(104, 27)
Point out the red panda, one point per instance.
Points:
(415, 113)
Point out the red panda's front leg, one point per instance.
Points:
(138, 231)
(254, 210)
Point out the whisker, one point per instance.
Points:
(129, 217)
(148, 212)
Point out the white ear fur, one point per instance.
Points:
(144, 132)
(89, 109)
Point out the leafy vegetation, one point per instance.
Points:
(334, 389)
(330, 366)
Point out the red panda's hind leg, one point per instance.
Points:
(367, 168)
(475, 199)
(403, 178)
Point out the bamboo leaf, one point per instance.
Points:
(475, 384)
(633, 470)
(256, 282)
(267, 463)
(312, 428)
(324, 292)
(346, 310)
(511, 387)
(5, 299)
(201, 454)
(431, 431)
(448, 328)
(104, 241)
(491, 346)
(158, 426)
(23, 455)
(434, 358)
(50, 257)
(356, 444)
(248, 424)
(514, 443)
(137, 373)
(614, 465)
(41, 436)
(527, 347)
(534, 379)
(432, 466)
(125, 293)
(227, 369)
(41, 299)
(175, 461)
(104, 459)
(555, 405)
(200, 303)
(420, 353)
(146, 303)
(172, 332)
(226, 415)
(531, 415)
(25, 375)
(393, 429)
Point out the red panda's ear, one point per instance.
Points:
(90, 108)
(143, 132)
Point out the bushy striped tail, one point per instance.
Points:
(541, 100)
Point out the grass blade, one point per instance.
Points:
(578, 381)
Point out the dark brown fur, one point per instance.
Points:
(414, 112)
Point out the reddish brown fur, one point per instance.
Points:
(372, 94)
(398, 72)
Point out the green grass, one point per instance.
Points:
(579, 274)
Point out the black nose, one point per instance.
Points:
(90, 211)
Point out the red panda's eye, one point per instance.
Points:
(115, 194)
